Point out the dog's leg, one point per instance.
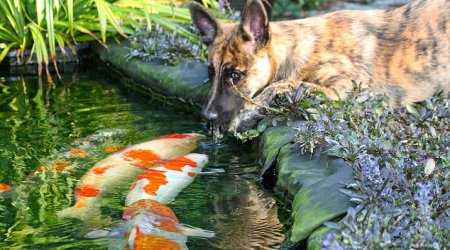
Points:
(255, 109)
(275, 88)
(335, 91)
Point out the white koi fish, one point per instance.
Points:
(120, 168)
(165, 180)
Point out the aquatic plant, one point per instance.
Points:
(400, 159)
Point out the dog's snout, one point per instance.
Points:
(210, 115)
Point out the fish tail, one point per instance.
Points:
(196, 232)
(82, 210)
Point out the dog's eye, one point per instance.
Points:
(236, 75)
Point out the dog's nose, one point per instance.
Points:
(210, 115)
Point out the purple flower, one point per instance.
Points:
(423, 198)
(369, 167)
(222, 4)
(331, 243)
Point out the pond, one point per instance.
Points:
(40, 123)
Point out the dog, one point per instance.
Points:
(403, 53)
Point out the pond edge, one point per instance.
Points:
(187, 82)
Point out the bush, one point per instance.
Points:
(170, 47)
(42, 25)
(292, 9)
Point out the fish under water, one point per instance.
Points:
(5, 190)
(148, 222)
(120, 168)
(67, 159)
(153, 225)
(4, 187)
(165, 180)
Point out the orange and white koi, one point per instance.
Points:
(67, 159)
(120, 168)
(153, 225)
(165, 180)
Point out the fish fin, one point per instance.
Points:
(197, 232)
(83, 213)
(116, 233)
(7, 194)
(100, 233)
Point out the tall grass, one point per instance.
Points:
(44, 25)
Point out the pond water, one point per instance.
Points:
(39, 123)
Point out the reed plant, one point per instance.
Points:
(44, 25)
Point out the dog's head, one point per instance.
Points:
(239, 64)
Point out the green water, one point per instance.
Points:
(39, 122)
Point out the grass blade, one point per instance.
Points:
(40, 9)
(70, 17)
(40, 47)
(50, 28)
(6, 50)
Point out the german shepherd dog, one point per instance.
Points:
(403, 53)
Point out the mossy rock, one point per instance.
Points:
(185, 81)
(271, 142)
(314, 180)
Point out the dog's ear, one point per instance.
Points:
(205, 23)
(255, 23)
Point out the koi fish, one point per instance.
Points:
(153, 225)
(4, 187)
(5, 190)
(58, 166)
(68, 158)
(165, 180)
(113, 148)
(121, 167)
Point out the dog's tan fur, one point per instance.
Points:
(402, 53)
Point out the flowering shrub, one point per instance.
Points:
(401, 163)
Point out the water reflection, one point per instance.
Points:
(247, 221)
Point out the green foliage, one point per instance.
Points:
(170, 47)
(43, 25)
(290, 8)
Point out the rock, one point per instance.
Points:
(314, 180)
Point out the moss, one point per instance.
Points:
(173, 81)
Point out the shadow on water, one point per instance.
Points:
(38, 122)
